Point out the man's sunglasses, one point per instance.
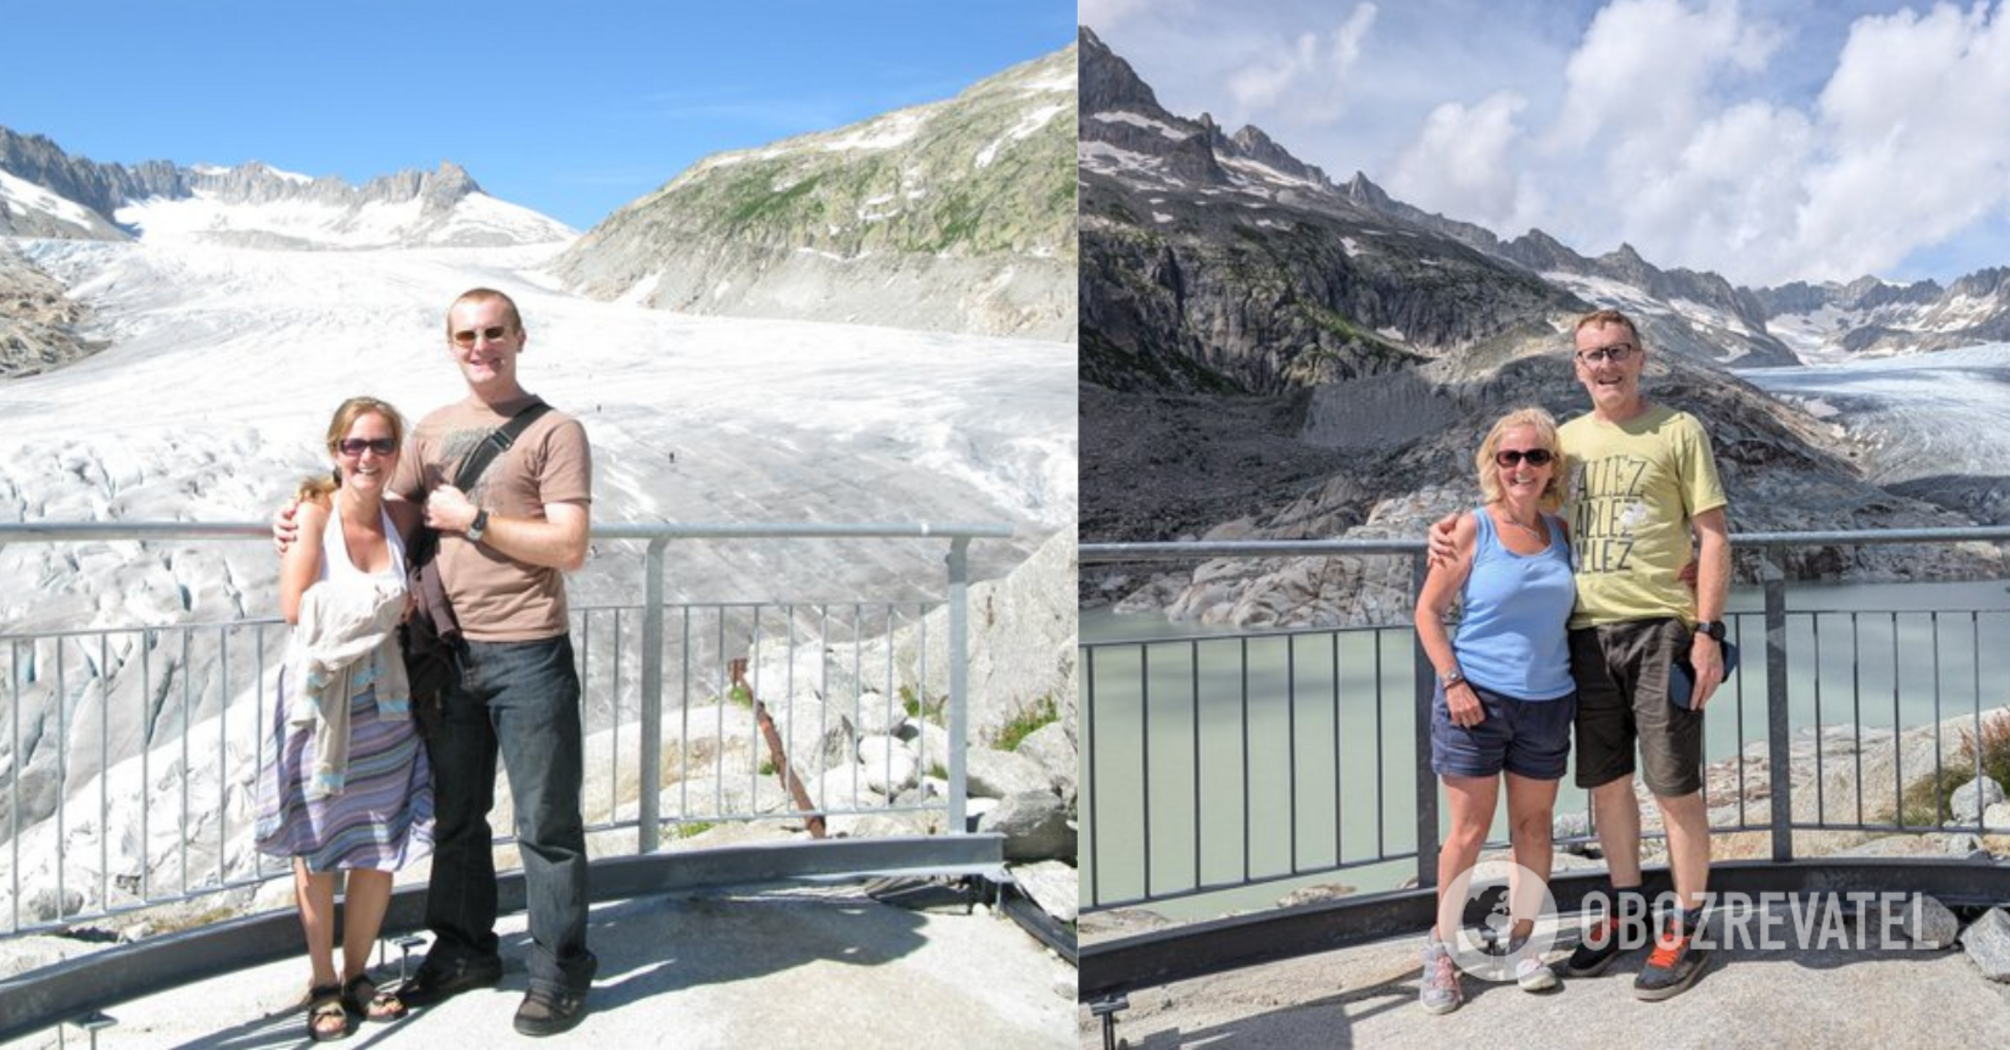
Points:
(493, 333)
(1537, 457)
(355, 446)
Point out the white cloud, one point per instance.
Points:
(1302, 73)
(1459, 163)
(1646, 68)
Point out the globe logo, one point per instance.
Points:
(1493, 893)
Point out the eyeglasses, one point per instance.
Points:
(493, 333)
(1537, 457)
(1617, 352)
(355, 446)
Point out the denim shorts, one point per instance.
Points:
(1529, 738)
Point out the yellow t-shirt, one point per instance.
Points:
(1634, 487)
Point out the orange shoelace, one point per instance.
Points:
(1668, 948)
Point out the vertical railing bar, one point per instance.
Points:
(887, 702)
(257, 745)
(824, 699)
(14, 811)
(1738, 698)
(1193, 649)
(959, 684)
(1856, 707)
(105, 772)
(1339, 810)
(1821, 732)
(614, 717)
(649, 759)
(789, 685)
(684, 726)
(181, 836)
(921, 692)
(1897, 731)
(1933, 626)
(1245, 760)
(147, 724)
(1291, 741)
(723, 689)
(1423, 689)
(1145, 757)
(582, 655)
(62, 773)
(1089, 790)
(1975, 625)
(1778, 751)
(858, 690)
(222, 747)
(753, 720)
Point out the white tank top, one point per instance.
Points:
(335, 550)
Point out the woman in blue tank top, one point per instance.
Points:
(1505, 698)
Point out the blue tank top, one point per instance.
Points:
(1512, 638)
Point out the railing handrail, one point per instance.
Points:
(108, 531)
(1178, 551)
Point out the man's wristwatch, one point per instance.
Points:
(1713, 628)
(1452, 678)
(478, 526)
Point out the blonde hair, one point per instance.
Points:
(317, 489)
(1551, 500)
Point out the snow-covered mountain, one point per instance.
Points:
(958, 215)
(45, 192)
(1873, 318)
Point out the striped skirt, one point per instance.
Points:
(382, 820)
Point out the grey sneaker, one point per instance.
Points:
(1438, 989)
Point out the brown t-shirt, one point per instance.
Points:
(496, 598)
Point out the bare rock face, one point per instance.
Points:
(39, 325)
(953, 216)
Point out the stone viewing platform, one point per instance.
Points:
(1824, 996)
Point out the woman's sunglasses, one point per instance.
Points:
(1537, 457)
(355, 446)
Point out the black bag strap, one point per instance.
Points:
(498, 442)
(478, 459)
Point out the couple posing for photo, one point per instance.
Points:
(1580, 622)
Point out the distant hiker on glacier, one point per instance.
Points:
(345, 786)
(1644, 478)
(1505, 696)
(504, 548)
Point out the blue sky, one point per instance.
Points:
(569, 108)
(1768, 140)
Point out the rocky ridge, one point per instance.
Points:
(956, 215)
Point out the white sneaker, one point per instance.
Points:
(1534, 975)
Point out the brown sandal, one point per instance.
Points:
(361, 997)
(324, 1004)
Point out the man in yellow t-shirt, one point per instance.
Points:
(1644, 479)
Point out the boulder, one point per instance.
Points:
(1928, 924)
(1970, 799)
(888, 766)
(1051, 884)
(1987, 942)
(1035, 826)
(999, 774)
(1053, 747)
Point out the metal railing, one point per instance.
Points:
(109, 726)
(1209, 769)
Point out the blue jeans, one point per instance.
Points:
(520, 699)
